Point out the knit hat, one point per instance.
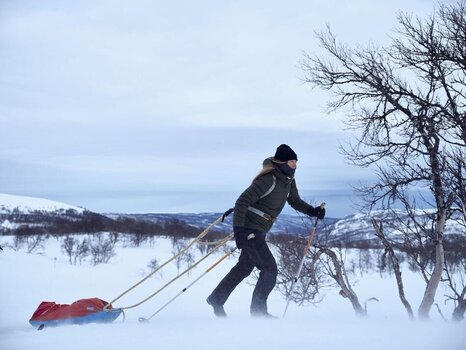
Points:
(284, 153)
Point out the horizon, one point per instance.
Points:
(39, 203)
(23, 200)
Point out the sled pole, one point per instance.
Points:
(301, 264)
(197, 239)
(142, 319)
(219, 244)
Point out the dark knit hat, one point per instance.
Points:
(284, 153)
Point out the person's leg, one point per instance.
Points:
(240, 271)
(262, 257)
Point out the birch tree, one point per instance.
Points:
(406, 103)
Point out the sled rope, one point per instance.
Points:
(221, 243)
(208, 243)
(197, 239)
(226, 255)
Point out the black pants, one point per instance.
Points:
(256, 254)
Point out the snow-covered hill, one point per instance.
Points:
(358, 227)
(27, 205)
(33, 215)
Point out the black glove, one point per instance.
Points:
(241, 237)
(318, 212)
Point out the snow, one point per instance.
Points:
(8, 225)
(27, 205)
(188, 322)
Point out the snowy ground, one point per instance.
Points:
(188, 323)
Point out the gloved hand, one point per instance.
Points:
(318, 212)
(241, 237)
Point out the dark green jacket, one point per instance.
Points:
(285, 191)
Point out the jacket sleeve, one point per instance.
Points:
(251, 195)
(295, 200)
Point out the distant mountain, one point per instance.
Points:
(292, 224)
(358, 227)
(27, 215)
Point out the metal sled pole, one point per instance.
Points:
(195, 240)
(142, 319)
(219, 244)
(305, 253)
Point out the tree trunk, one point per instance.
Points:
(396, 266)
(433, 283)
(346, 290)
(458, 312)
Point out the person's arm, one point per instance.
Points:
(297, 203)
(295, 200)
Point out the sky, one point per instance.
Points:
(171, 106)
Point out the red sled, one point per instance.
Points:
(83, 311)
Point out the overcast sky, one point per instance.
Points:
(171, 106)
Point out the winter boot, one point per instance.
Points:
(259, 309)
(262, 314)
(218, 309)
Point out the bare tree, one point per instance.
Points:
(76, 249)
(33, 242)
(322, 268)
(455, 272)
(102, 249)
(407, 101)
(155, 265)
(68, 245)
(457, 288)
(289, 252)
(137, 238)
(336, 270)
(36, 242)
(185, 259)
(396, 266)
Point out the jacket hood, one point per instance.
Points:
(267, 162)
(271, 163)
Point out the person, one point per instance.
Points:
(255, 211)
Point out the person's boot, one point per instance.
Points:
(259, 309)
(219, 311)
(262, 314)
